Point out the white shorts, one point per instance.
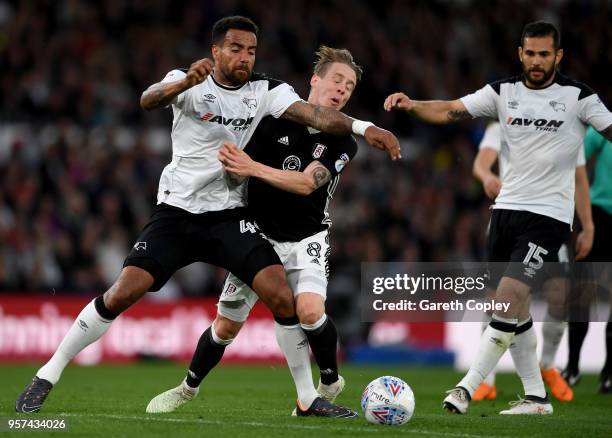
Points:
(306, 265)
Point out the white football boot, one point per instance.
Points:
(457, 401)
(172, 399)
(328, 392)
(529, 407)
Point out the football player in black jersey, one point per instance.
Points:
(166, 243)
(293, 173)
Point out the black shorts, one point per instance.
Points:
(526, 240)
(175, 238)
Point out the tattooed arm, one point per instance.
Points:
(432, 111)
(303, 183)
(161, 94)
(324, 119)
(238, 162)
(334, 122)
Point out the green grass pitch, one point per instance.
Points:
(253, 401)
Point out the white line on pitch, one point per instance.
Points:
(266, 425)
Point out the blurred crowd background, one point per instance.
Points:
(80, 161)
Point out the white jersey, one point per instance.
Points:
(541, 134)
(206, 116)
(492, 140)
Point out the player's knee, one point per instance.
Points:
(558, 312)
(271, 286)
(131, 285)
(282, 305)
(513, 292)
(226, 329)
(309, 316)
(309, 307)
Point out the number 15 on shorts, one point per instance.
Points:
(535, 253)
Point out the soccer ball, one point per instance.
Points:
(388, 400)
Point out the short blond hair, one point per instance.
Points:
(328, 55)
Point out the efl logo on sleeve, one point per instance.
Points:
(339, 165)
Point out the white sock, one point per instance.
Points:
(525, 357)
(294, 345)
(490, 379)
(493, 344)
(88, 327)
(552, 332)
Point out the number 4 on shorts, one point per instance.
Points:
(247, 226)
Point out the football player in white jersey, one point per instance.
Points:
(543, 117)
(199, 214)
(299, 232)
(555, 289)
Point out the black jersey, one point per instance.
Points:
(282, 144)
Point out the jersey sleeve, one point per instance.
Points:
(337, 155)
(173, 76)
(593, 112)
(492, 137)
(482, 103)
(279, 98)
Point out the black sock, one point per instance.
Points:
(102, 309)
(607, 369)
(292, 320)
(576, 333)
(323, 343)
(205, 358)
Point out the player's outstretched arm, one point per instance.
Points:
(481, 169)
(160, 95)
(238, 162)
(584, 241)
(431, 111)
(334, 122)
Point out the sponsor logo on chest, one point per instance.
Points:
(549, 125)
(236, 123)
(292, 162)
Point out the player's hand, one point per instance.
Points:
(383, 140)
(236, 161)
(584, 242)
(398, 101)
(492, 186)
(199, 71)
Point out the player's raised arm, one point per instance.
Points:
(432, 111)
(334, 122)
(161, 94)
(239, 163)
